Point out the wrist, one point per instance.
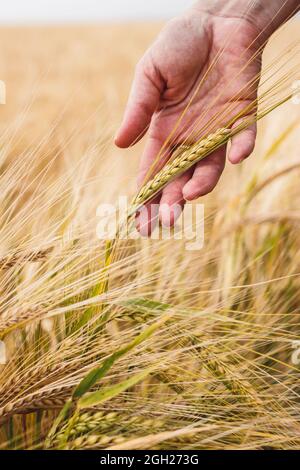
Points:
(266, 17)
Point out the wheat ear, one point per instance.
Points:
(94, 442)
(18, 318)
(186, 157)
(46, 400)
(10, 261)
(101, 421)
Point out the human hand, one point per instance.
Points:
(203, 46)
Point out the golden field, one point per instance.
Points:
(194, 350)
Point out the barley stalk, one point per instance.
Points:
(19, 317)
(46, 400)
(238, 387)
(94, 442)
(34, 377)
(91, 422)
(185, 158)
(10, 261)
(138, 317)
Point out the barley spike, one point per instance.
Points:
(185, 158)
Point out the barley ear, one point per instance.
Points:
(186, 157)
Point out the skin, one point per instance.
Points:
(166, 81)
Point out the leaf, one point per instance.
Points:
(61, 417)
(95, 398)
(94, 375)
(99, 372)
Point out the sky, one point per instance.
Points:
(41, 11)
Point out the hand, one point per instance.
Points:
(223, 52)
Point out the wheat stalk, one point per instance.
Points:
(94, 442)
(38, 377)
(235, 384)
(10, 261)
(185, 158)
(91, 422)
(19, 317)
(46, 400)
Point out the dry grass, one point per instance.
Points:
(188, 349)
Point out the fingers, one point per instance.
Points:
(242, 145)
(193, 184)
(172, 201)
(167, 208)
(147, 217)
(206, 175)
(169, 204)
(144, 98)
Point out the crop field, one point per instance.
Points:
(138, 343)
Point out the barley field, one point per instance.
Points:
(147, 345)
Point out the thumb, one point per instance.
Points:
(143, 101)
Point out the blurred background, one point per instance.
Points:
(68, 66)
(228, 375)
(62, 11)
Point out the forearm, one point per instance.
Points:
(265, 15)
